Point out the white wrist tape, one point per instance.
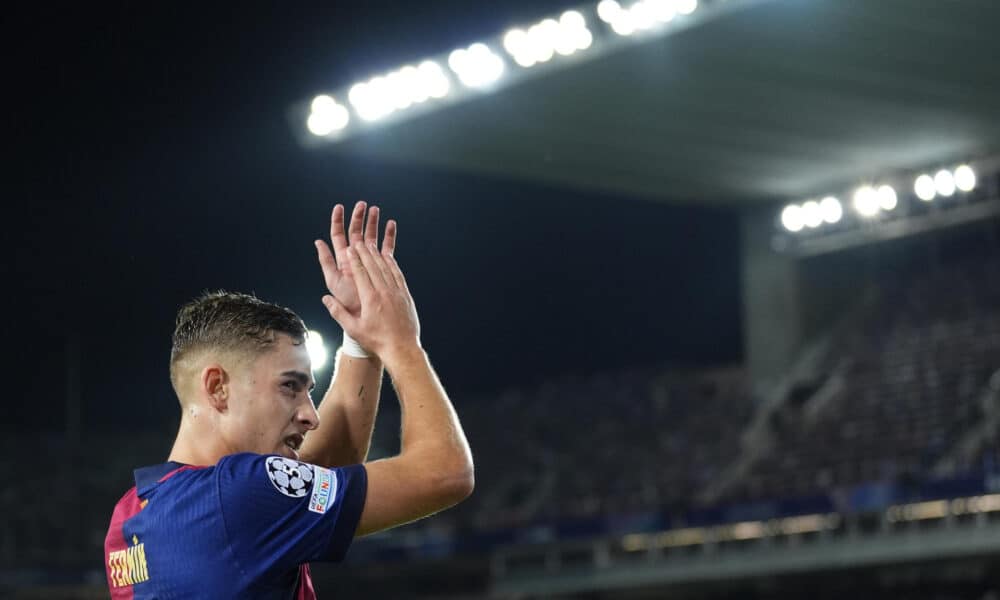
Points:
(351, 347)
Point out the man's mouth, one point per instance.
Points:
(294, 443)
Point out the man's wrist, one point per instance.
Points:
(351, 347)
(398, 356)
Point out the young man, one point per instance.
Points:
(259, 483)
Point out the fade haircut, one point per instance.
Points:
(241, 324)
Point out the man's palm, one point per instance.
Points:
(335, 264)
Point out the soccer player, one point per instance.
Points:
(259, 483)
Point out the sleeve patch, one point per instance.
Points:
(291, 477)
(324, 490)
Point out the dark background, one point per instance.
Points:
(155, 161)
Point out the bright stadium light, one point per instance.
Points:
(944, 183)
(831, 209)
(663, 10)
(686, 7)
(432, 80)
(812, 214)
(317, 351)
(866, 201)
(887, 197)
(549, 37)
(608, 11)
(643, 15)
(326, 116)
(476, 66)
(965, 178)
(792, 218)
(383, 95)
(924, 188)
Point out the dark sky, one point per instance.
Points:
(155, 161)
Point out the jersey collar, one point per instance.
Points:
(147, 476)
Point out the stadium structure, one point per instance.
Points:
(853, 453)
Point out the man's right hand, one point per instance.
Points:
(335, 264)
(387, 323)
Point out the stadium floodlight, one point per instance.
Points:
(317, 351)
(866, 201)
(326, 116)
(924, 187)
(608, 11)
(812, 214)
(432, 81)
(831, 209)
(643, 15)
(792, 218)
(663, 10)
(887, 197)
(476, 66)
(686, 7)
(944, 183)
(383, 95)
(549, 37)
(965, 178)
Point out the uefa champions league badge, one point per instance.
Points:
(290, 477)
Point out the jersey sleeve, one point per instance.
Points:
(280, 513)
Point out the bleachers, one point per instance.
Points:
(907, 382)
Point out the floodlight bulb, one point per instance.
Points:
(686, 7)
(624, 23)
(792, 218)
(663, 10)
(812, 215)
(944, 183)
(866, 201)
(476, 66)
(317, 351)
(322, 102)
(887, 197)
(831, 209)
(924, 188)
(572, 19)
(965, 178)
(642, 14)
(433, 80)
(608, 10)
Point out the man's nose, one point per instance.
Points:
(308, 416)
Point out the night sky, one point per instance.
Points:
(155, 161)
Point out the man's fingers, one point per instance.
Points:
(389, 241)
(329, 265)
(356, 228)
(337, 235)
(369, 261)
(371, 229)
(339, 313)
(397, 273)
(381, 265)
(360, 273)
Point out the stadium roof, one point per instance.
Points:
(778, 100)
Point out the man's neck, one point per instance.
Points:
(193, 447)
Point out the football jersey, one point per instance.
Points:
(246, 527)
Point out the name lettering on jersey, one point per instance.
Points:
(324, 489)
(128, 566)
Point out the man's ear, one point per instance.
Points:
(215, 385)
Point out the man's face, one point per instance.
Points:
(270, 407)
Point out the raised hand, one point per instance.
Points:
(387, 321)
(336, 265)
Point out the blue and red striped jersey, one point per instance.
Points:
(244, 528)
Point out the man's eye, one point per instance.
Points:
(290, 385)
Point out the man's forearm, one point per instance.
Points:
(347, 414)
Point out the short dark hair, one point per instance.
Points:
(233, 322)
